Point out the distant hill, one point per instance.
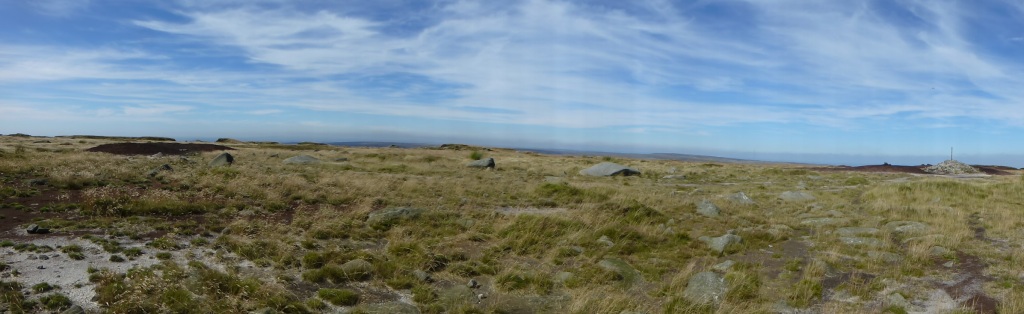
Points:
(666, 156)
(381, 144)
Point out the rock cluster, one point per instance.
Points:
(951, 167)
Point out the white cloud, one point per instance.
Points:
(556, 63)
(154, 110)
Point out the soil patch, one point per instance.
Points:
(966, 285)
(154, 148)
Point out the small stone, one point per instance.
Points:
(43, 257)
(422, 276)
(74, 309)
(938, 251)
(948, 264)
(724, 266)
(719, 244)
(32, 228)
(796, 196)
(857, 231)
(707, 208)
(473, 284)
(740, 198)
(40, 267)
(706, 287)
(861, 241)
(563, 276)
(606, 241)
(224, 159)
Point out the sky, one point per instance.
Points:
(836, 82)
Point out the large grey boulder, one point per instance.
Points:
(797, 196)
(707, 208)
(607, 169)
(706, 287)
(302, 160)
(385, 218)
(482, 163)
(224, 159)
(719, 244)
(625, 271)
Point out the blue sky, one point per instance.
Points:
(802, 80)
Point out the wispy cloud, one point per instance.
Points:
(646, 67)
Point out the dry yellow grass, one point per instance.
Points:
(516, 228)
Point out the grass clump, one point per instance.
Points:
(55, 302)
(476, 155)
(74, 252)
(42, 287)
(340, 297)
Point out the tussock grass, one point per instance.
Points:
(516, 229)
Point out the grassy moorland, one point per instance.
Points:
(391, 230)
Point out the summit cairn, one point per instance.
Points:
(951, 167)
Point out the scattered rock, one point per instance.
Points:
(36, 229)
(797, 196)
(266, 310)
(740, 198)
(562, 276)
(706, 287)
(607, 169)
(897, 300)
(861, 241)
(74, 309)
(885, 256)
(224, 159)
(938, 251)
(719, 244)
(824, 221)
(724, 266)
(951, 167)
(357, 269)
(385, 218)
(923, 238)
(301, 160)
(627, 273)
(487, 163)
(675, 177)
(38, 181)
(473, 284)
(155, 171)
(394, 307)
(906, 227)
(857, 231)
(606, 241)
(422, 276)
(707, 208)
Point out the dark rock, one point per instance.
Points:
(155, 171)
(606, 169)
(482, 163)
